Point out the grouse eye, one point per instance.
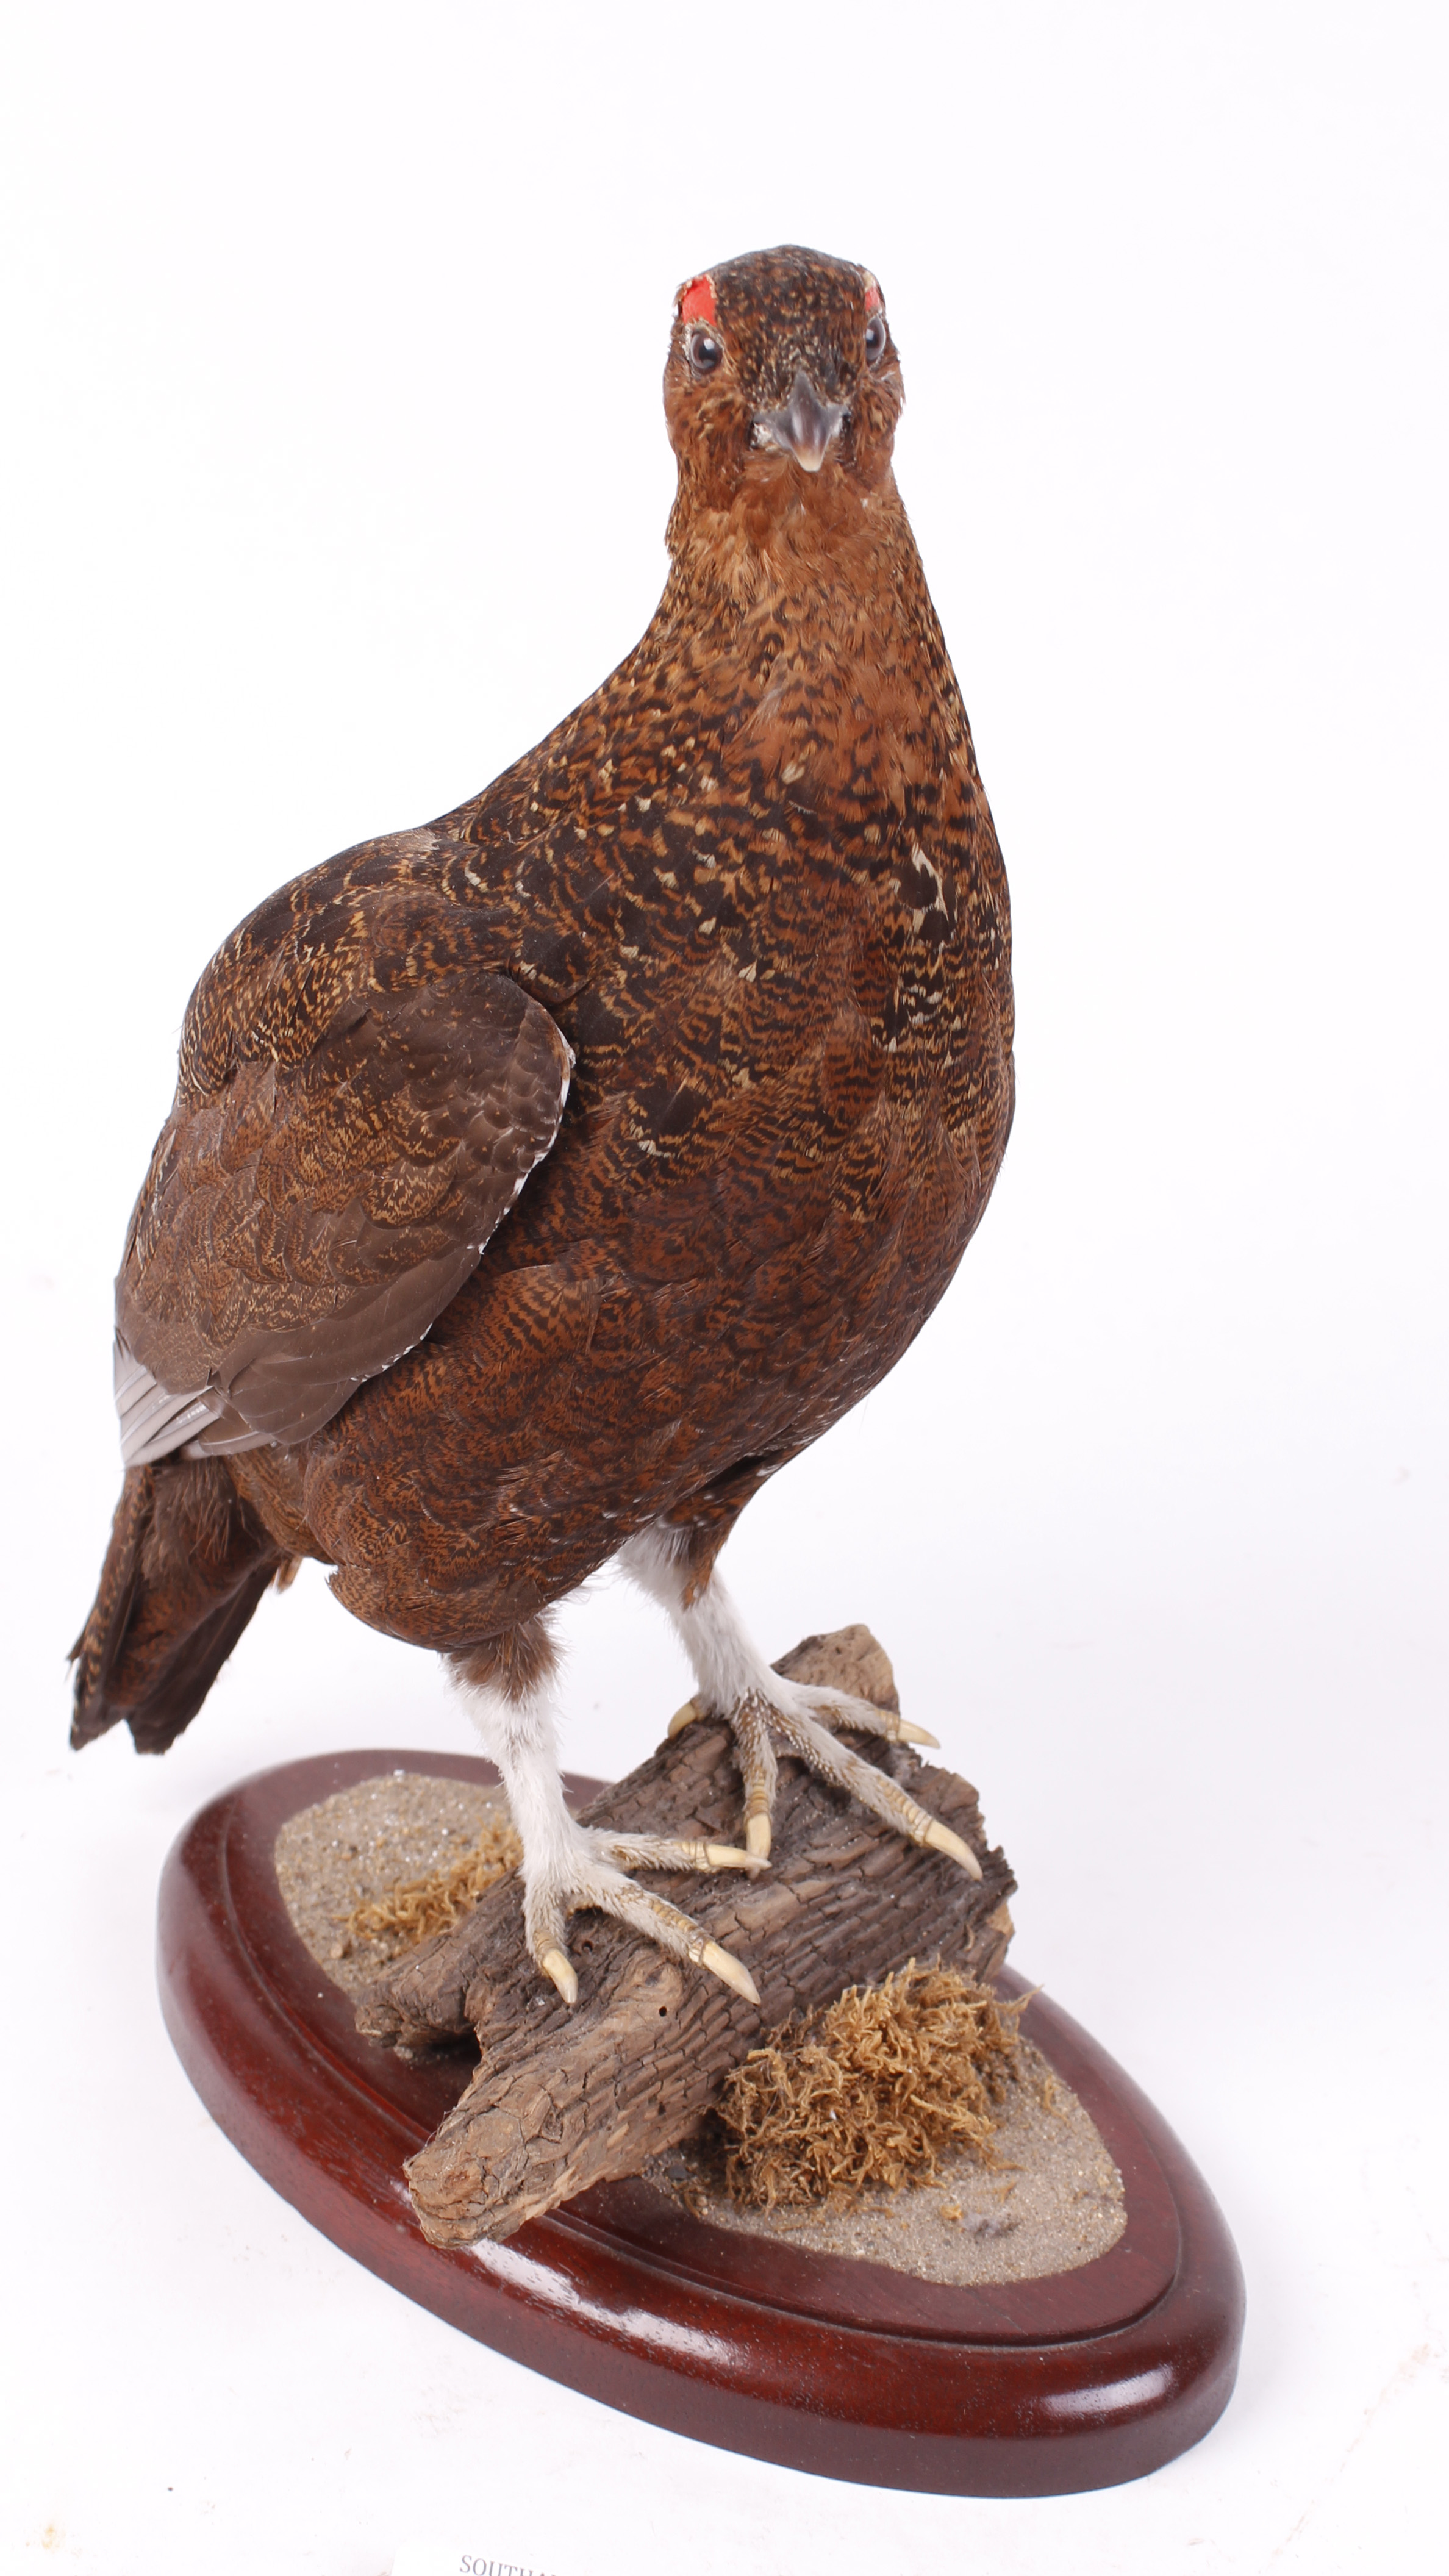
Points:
(704, 351)
(876, 336)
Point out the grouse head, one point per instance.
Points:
(783, 386)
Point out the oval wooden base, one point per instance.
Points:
(844, 2368)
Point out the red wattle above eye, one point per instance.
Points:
(696, 301)
(873, 296)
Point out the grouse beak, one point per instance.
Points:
(805, 427)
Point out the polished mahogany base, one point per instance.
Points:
(1043, 2387)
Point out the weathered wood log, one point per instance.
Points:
(566, 2098)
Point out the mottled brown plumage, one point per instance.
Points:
(753, 882)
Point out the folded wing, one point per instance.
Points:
(310, 1210)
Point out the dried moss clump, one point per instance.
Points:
(403, 1916)
(869, 2091)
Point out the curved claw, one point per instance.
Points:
(666, 1851)
(835, 1761)
(682, 1718)
(941, 1839)
(846, 1710)
(730, 1970)
(561, 1970)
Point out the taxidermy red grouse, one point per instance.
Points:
(540, 1181)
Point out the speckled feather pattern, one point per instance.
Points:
(753, 883)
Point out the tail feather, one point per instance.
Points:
(96, 1648)
(186, 1566)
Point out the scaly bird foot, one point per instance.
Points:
(592, 1872)
(792, 1710)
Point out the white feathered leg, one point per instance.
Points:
(734, 1681)
(567, 1865)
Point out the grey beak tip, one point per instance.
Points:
(805, 425)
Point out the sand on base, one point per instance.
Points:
(1051, 2201)
(361, 1844)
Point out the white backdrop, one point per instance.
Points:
(336, 473)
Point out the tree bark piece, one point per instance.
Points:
(567, 2098)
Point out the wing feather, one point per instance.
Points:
(309, 1212)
